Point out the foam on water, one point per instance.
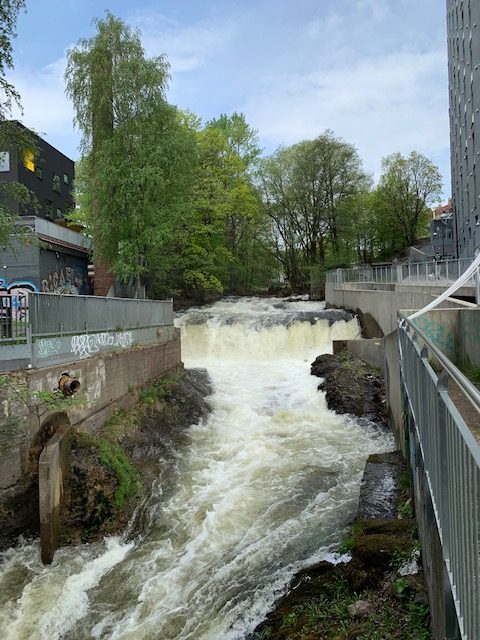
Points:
(261, 489)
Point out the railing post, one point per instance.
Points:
(443, 501)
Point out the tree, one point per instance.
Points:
(138, 153)
(308, 190)
(235, 159)
(407, 188)
(9, 10)
(12, 137)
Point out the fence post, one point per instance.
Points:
(443, 502)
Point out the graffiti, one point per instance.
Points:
(18, 289)
(67, 280)
(437, 333)
(88, 344)
(48, 347)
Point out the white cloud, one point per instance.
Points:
(187, 47)
(380, 104)
(46, 109)
(378, 9)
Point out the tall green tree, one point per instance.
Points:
(308, 190)
(139, 156)
(408, 187)
(237, 154)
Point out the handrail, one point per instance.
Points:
(472, 393)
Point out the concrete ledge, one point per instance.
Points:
(51, 472)
(370, 351)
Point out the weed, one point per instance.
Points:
(405, 510)
(470, 371)
(127, 477)
(159, 390)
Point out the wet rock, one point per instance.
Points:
(379, 491)
(351, 386)
(360, 609)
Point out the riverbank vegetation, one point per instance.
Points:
(189, 208)
(112, 470)
(371, 597)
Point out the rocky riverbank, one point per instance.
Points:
(112, 471)
(374, 590)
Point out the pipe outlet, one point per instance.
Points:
(68, 385)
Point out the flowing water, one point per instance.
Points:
(261, 489)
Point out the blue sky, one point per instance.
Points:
(373, 71)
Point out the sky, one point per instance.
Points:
(372, 71)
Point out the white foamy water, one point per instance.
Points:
(259, 490)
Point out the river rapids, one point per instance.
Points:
(261, 489)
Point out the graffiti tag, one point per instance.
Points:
(437, 333)
(89, 344)
(67, 281)
(48, 347)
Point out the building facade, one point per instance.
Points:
(463, 24)
(57, 262)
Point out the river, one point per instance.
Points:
(262, 488)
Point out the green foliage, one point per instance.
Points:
(308, 191)
(128, 479)
(13, 137)
(9, 11)
(405, 510)
(159, 389)
(37, 403)
(470, 371)
(408, 186)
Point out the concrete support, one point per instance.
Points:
(52, 469)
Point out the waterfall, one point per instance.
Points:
(262, 488)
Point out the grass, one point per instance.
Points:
(113, 457)
(394, 615)
(128, 479)
(160, 389)
(470, 371)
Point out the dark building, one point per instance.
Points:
(59, 262)
(463, 24)
(48, 175)
(443, 236)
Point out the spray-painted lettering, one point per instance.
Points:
(88, 344)
(65, 280)
(48, 347)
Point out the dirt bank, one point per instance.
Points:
(112, 471)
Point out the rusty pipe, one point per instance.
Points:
(68, 385)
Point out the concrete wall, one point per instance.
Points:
(384, 305)
(469, 330)
(108, 381)
(370, 351)
(456, 332)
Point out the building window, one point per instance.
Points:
(28, 162)
(65, 178)
(39, 173)
(4, 161)
(48, 209)
(56, 183)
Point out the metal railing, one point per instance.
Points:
(451, 457)
(13, 318)
(58, 315)
(406, 273)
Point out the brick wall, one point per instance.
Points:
(103, 279)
